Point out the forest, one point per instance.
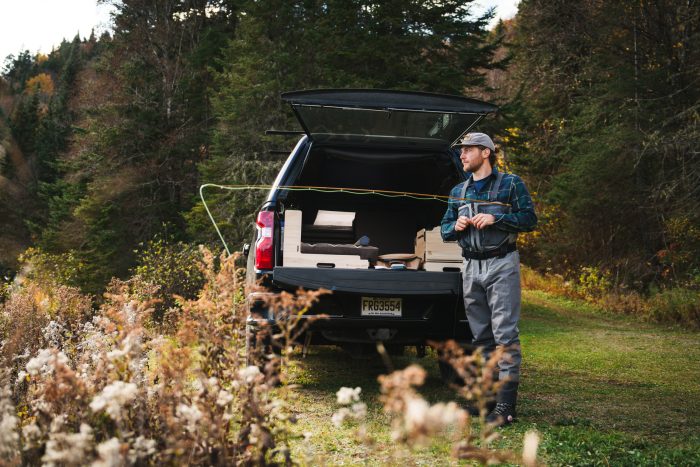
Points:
(105, 141)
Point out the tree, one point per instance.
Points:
(134, 169)
(288, 45)
(40, 84)
(18, 69)
(611, 125)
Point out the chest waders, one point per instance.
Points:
(491, 238)
(491, 286)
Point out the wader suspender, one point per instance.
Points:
(493, 194)
(470, 237)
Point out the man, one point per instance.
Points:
(484, 215)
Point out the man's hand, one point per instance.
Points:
(462, 223)
(483, 220)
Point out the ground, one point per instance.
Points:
(601, 389)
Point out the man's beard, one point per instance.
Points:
(473, 167)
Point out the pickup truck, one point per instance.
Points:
(347, 213)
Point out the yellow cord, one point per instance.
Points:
(326, 189)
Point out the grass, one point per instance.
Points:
(602, 389)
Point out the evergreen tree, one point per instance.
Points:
(19, 69)
(611, 130)
(289, 45)
(24, 122)
(138, 171)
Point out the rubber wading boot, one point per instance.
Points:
(504, 412)
(473, 409)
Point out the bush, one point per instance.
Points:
(51, 269)
(36, 316)
(676, 305)
(673, 305)
(119, 393)
(624, 302)
(174, 268)
(593, 282)
(551, 283)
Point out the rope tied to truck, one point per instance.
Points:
(326, 189)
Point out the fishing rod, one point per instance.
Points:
(327, 189)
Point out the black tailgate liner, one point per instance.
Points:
(370, 281)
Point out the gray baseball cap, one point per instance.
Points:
(476, 139)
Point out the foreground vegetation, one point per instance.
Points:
(141, 379)
(131, 383)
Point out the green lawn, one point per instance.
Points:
(601, 389)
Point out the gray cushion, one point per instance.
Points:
(364, 252)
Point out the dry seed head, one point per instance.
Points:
(113, 397)
(348, 395)
(224, 398)
(191, 415)
(530, 444)
(68, 448)
(339, 417)
(141, 448)
(9, 438)
(44, 363)
(109, 454)
(249, 374)
(31, 434)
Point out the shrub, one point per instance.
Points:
(676, 305)
(593, 282)
(173, 268)
(36, 316)
(552, 283)
(50, 269)
(679, 305)
(630, 302)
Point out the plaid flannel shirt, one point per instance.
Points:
(512, 191)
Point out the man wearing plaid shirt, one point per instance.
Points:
(485, 214)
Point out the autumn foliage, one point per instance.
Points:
(40, 84)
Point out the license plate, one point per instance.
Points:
(376, 306)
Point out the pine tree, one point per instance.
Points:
(289, 45)
(612, 129)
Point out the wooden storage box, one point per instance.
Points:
(293, 257)
(437, 255)
(438, 250)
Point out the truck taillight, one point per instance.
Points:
(264, 246)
